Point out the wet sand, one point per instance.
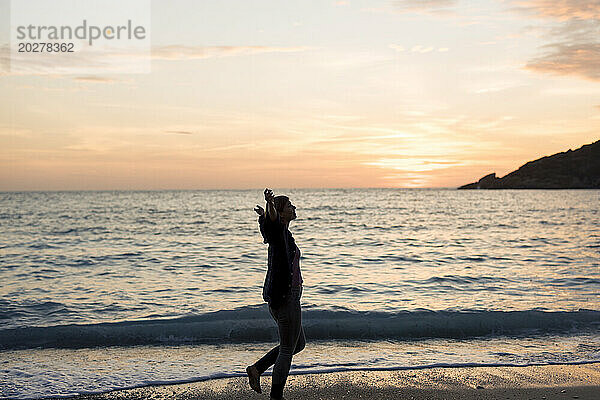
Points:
(510, 383)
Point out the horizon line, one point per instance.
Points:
(227, 189)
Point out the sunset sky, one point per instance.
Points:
(248, 94)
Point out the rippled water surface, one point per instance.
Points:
(479, 262)
(108, 256)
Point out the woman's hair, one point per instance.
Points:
(280, 202)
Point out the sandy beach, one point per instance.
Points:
(531, 382)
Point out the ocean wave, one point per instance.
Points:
(254, 324)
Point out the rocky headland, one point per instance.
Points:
(572, 169)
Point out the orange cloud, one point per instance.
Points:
(582, 59)
(575, 49)
(562, 10)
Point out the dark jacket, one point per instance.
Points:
(282, 247)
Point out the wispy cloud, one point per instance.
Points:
(562, 10)
(441, 7)
(418, 48)
(575, 46)
(181, 132)
(449, 10)
(94, 78)
(414, 164)
(579, 59)
(421, 49)
(181, 52)
(88, 59)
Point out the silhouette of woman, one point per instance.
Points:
(282, 290)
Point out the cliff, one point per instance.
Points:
(579, 169)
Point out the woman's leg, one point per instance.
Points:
(254, 371)
(289, 322)
(271, 357)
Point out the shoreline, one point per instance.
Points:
(558, 381)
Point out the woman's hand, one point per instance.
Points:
(259, 210)
(271, 211)
(269, 196)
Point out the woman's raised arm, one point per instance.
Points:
(271, 210)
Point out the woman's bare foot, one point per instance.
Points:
(254, 378)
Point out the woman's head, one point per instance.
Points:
(285, 208)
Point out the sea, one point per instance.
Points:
(105, 290)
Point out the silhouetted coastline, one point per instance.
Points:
(579, 169)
